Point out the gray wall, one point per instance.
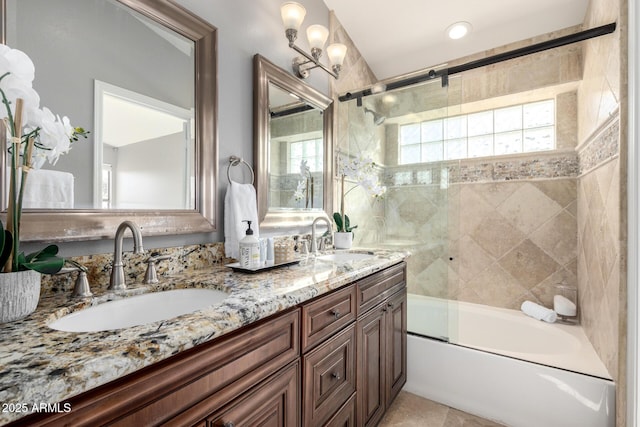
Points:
(245, 27)
(152, 173)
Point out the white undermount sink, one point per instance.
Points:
(138, 310)
(344, 257)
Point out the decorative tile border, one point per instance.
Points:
(553, 165)
(603, 146)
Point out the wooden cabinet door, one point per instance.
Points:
(346, 416)
(371, 370)
(274, 403)
(396, 345)
(329, 377)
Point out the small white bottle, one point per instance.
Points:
(249, 249)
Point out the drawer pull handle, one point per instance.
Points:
(384, 309)
(336, 313)
(336, 375)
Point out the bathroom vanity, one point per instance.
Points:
(321, 343)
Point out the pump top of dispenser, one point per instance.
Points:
(249, 231)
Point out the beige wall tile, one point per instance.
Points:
(528, 208)
(496, 236)
(495, 287)
(529, 264)
(558, 238)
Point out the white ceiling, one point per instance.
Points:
(401, 36)
(126, 122)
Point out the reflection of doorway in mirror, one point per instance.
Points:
(151, 157)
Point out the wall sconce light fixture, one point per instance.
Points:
(292, 16)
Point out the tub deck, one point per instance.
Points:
(528, 374)
(505, 332)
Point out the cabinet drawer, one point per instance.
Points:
(273, 403)
(327, 315)
(346, 416)
(377, 287)
(206, 380)
(329, 377)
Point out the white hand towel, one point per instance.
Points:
(538, 312)
(239, 205)
(48, 189)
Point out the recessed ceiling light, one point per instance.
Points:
(458, 30)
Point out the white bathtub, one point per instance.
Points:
(529, 373)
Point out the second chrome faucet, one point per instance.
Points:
(117, 281)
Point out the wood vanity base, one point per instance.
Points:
(336, 360)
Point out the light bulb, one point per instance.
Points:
(292, 15)
(317, 36)
(336, 53)
(458, 30)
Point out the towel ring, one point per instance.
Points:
(235, 161)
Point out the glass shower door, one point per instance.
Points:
(403, 132)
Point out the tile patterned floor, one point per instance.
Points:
(409, 410)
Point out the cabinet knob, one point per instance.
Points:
(336, 375)
(384, 308)
(336, 313)
(228, 424)
(390, 305)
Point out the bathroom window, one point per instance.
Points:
(521, 128)
(309, 150)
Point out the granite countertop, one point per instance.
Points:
(39, 365)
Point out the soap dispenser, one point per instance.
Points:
(249, 249)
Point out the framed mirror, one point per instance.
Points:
(292, 148)
(140, 75)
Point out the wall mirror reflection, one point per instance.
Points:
(141, 166)
(292, 148)
(296, 150)
(140, 76)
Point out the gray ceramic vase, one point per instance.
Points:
(19, 294)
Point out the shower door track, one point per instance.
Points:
(501, 57)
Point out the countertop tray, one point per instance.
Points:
(236, 267)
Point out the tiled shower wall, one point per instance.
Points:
(494, 242)
(602, 147)
(599, 246)
(499, 230)
(355, 133)
(515, 241)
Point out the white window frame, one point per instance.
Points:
(455, 136)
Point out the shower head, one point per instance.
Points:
(378, 119)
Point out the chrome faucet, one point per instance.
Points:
(117, 282)
(314, 240)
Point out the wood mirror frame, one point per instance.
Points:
(74, 225)
(264, 73)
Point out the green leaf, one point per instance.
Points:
(347, 223)
(5, 247)
(49, 251)
(346, 227)
(338, 220)
(43, 261)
